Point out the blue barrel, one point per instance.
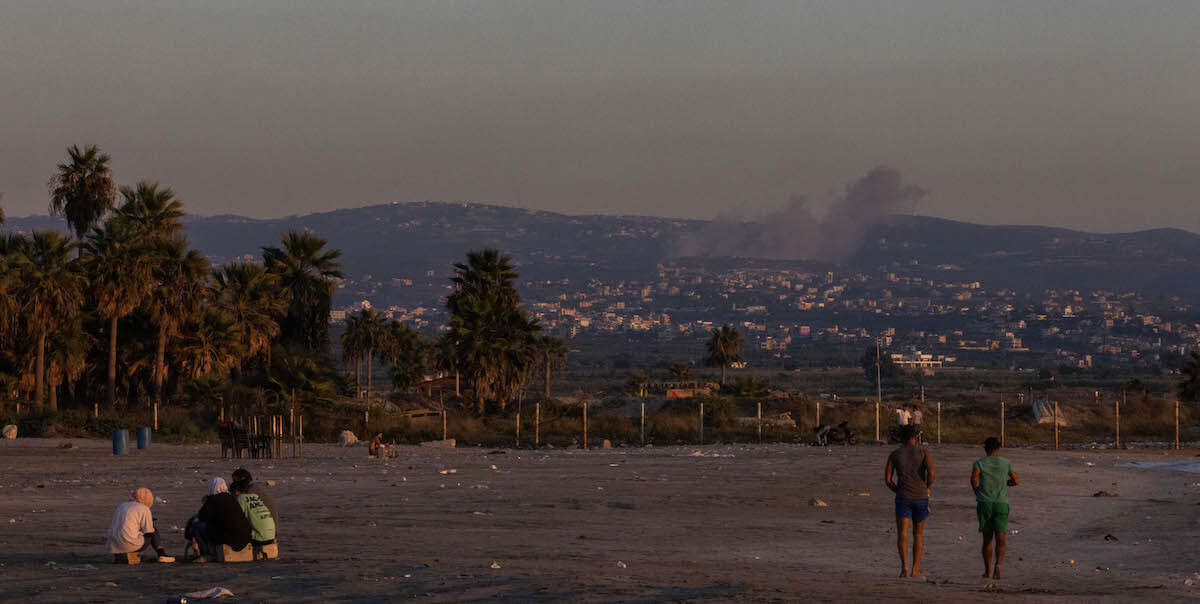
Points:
(120, 442)
(143, 437)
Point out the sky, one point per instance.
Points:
(1078, 114)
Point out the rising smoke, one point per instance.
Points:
(795, 233)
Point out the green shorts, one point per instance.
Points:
(993, 517)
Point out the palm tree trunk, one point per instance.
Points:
(547, 378)
(357, 377)
(159, 358)
(40, 380)
(370, 361)
(112, 363)
(722, 374)
(53, 397)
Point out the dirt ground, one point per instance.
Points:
(648, 524)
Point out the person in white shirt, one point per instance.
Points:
(903, 416)
(132, 528)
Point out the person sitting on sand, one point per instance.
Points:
(132, 528)
(990, 478)
(195, 527)
(262, 524)
(219, 522)
(243, 475)
(377, 448)
(909, 474)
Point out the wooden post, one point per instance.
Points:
(222, 416)
(1177, 424)
(537, 424)
(301, 434)
(366, 420)
(518, 428)
(1001, 421)
(876, 421)
(1118, 406)
(701, 423)
(818, 411)
(939, 423)
(156, 417)
(1055, 425)
(643, 423)
(95, 409)
(585, 434)
(443, 422)
(760, 420)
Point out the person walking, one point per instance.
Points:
(991, 476)
(909, 474)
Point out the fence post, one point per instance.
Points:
(760, 422)
(876, 421)
(643, 423)
(939, 423)
(1055, 425)
(1118, 406)
(301, 441)
(818, 411)
(585, 434)
(537, 424)
(96, 410)
(1001, 421)
(156, 417)
(701, 423)
(1176, 424)
(518, 428)
(443, 422)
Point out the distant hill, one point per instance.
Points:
(404, 240)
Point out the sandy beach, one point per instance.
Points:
(730, 523)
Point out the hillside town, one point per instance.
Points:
(798, 316)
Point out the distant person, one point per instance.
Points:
(376, 448)
(132, 528)
(219, 522)
(903, 416)
(243, 475)
(990, 478)
(262, 524)
(909, 474)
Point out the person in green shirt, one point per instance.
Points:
(990, 478)
(262, 524)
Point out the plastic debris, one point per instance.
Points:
(450, 471)
(212, 592)
(621, 564)
(817, 503)
(495, 564)
(1103, 494)
(1110, 537)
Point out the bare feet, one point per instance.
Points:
(916, 572)
(996, 572)
(903, 573)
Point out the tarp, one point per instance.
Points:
(1043, 410)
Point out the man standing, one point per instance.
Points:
(909, 474)
(990, 478)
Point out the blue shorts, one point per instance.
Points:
(915, 509)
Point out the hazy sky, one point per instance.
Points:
(1081, 114)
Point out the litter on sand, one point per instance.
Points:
(212, 592)
(450, 471)
(495, 564)
(817, 503)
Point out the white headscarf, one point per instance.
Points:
(217, 485)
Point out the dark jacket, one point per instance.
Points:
(224, 521)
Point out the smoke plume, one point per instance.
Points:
(795, 233)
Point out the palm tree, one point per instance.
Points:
(120, 276)
(407, 352)
(308, 272)
(252, 298)
(211, 344)
(82, 189)
(67, 357)
(365, 333)
(354, 345)
(491, 334)
(180, 281)
(551, 352)
(151, 212)
(50, 291)
(681, 372)
(724, 348)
